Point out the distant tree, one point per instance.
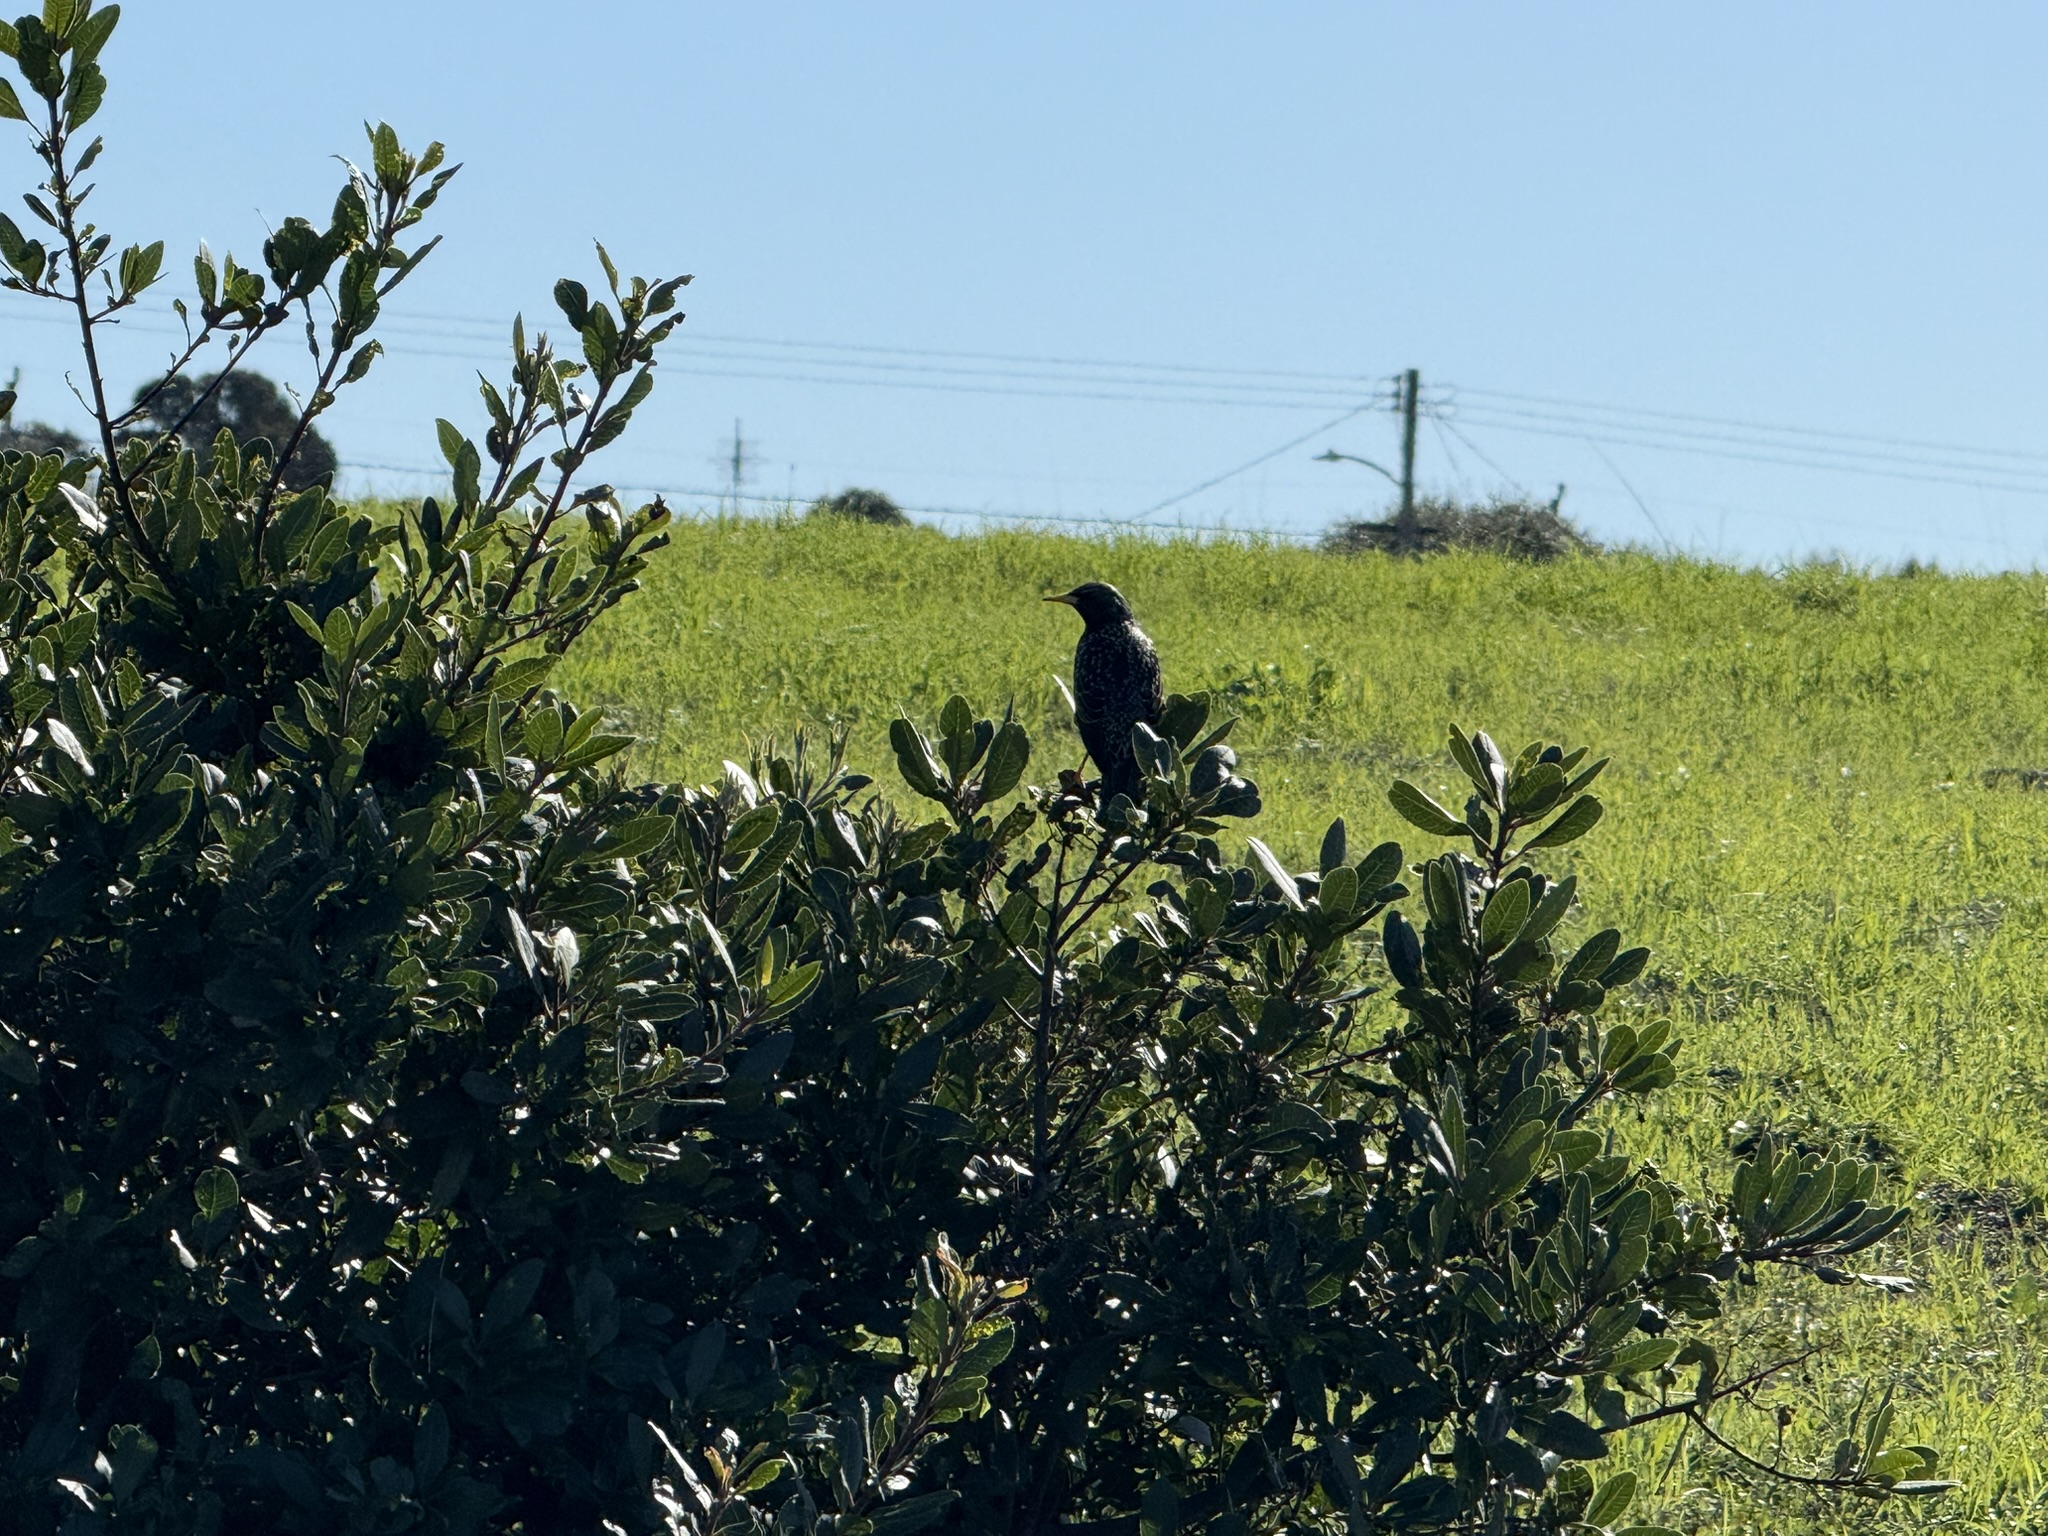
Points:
(861, 505)
(248, 405)
(32, 436)
(40, 437)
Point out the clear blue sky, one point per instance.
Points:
(1823, 217)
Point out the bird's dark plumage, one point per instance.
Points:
(1116, 683)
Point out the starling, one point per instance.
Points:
(1116, 683)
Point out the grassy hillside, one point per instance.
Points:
(1848, 921)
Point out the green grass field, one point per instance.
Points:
(1848, 920)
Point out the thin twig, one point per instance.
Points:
(1832, 1484)
(74, 250)
(1691, 1404)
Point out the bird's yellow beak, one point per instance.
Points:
(1062, 597)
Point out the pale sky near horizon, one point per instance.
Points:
(1753, 281)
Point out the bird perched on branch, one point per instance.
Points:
(1116, 683)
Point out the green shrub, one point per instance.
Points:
(861, 505)
(407, 1124)
(1511, 526)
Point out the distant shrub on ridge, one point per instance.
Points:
(1511, 526)
(861, 505)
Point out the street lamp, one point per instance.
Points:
(1332, 456)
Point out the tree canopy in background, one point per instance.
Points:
(244, 404)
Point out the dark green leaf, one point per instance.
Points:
(88, 88)
(1380, 867)
(956, 736)
(912, 1514)
(1578, 819)
(1626, 968)
(387, 157)
(1159, 1514)
(216, 1193)
(1276, 872)
(1611, 1499)
(914, 759)
(1467, 759)
(1339, 893)
(1420, 810)
(1534, 793)
(1505, 913)
(1403, 950)
(451, 439)
(1008, 756)
(1333, 847)
(1570, 1437)
(89, 36)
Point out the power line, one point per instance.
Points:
(1303, 389)
(1252, 390)
(1135, 375)
(1634, 495)
(941, 380)
(952, 380)
(1889, 447)
(1349, 380)
(1478, 452)
(1436, 423)
(715, 494)
(1758, 426)
(981, 514)
(1215, 480)
(1053, 377)
(1860, 525)
(2011, 481)
(1825, 452)
(676, 368)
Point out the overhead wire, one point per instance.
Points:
(1436, 423)
(2013, 482)
(1479, 453)
(1634, 495)
(857, 372)
(981, 514)
(1818, 453)
(1758, 426)
(1268, 456)
(1350, 381)
(1299, 389)
(1805, 518)
(1220, 388)
(1453, 409)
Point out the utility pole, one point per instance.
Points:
(1411, 388)
(1407, 400)
(739, 463)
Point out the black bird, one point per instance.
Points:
(1116, 683)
